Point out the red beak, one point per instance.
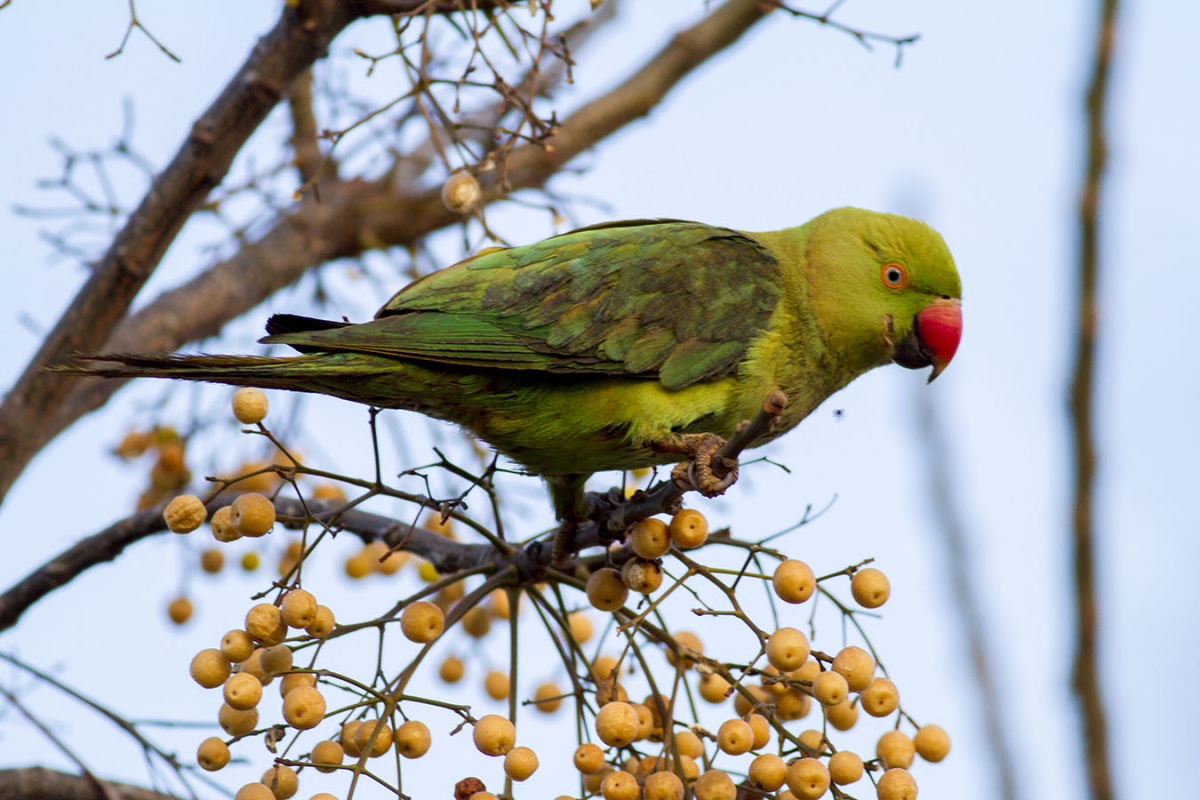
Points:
(939, 327)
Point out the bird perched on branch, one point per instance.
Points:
(623, 345)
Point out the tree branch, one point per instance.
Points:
(1085, 681)
(39, 783)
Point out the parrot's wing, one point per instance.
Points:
(679, 301)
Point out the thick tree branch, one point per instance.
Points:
(1086, 681)
(39, 783)
(353, 216)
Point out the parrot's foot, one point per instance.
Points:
(703, 471)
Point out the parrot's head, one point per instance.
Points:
(884, 289)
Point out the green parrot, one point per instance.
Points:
(626, 344)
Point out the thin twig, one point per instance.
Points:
(1086, 682)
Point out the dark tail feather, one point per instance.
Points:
(279, 326)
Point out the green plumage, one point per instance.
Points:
(595, 350)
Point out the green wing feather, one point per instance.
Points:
(679, 301)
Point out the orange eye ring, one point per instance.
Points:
(894, 276)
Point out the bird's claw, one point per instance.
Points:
(699, 472)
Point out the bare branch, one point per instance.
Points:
(39, 783)
(1086, 681)
(136, 24)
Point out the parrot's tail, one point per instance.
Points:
(319, 372)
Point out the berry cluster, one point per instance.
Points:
(710, 727)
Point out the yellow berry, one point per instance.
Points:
(807, 778)
(641, 576)
(494, 735)
(212, 560)
(843, 715)
(662, 786)
(829, 688)
(605, 589)
(295, 680)
(547, 697)
(880, 698)
(580, 627)
(520, 763)
(323, 624)
(620, 785)
(735, 736)
(794, 581)
(253, 515)
(185, 513)
(452, 669)
(250, 561)
(497, 685)
(134, 445)
(242, 691)
(212, 754)
(249, 405)
(209, 668)
(792, 705)
(714, 688)
(222, 525)
(767, 772)
(812, 740)
(179, 610)
(501, 606)
(348, 737)
(895, 749)
(327, 754)
(422, 622)
(761, 729)
(649, 538)
(617, 724)
(856, 665)
(328, 492)
(870, 588)
(714, 785)
(689, 644)
(787, 649)
(298, 608)
(254, 791)
(237, 722)
(265, 625)
(282, 781)
(461, 192)
(358, 566)
(743, 705)
(412, 739)
(304, 707)
(276, 660)
(373, 737)
(932, 742)
(688, 528)
(589, 758)
(845, 766)
(896, 784)
(477, 622)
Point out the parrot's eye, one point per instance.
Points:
(894, 276)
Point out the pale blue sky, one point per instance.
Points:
(979, 132)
